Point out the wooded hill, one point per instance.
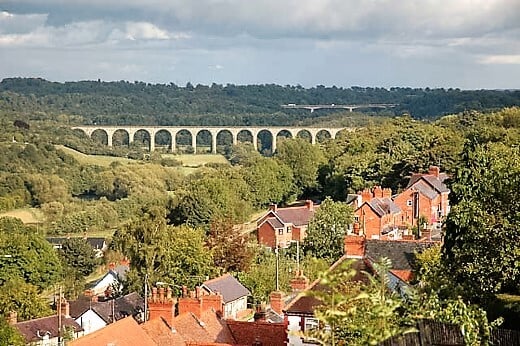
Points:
(129, 103)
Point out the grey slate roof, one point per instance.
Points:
(128, 305)
(384, 206)
(425, 189)
(45, 325)
(229, 287)
(436, 183)
(401, 253)
(274, 222)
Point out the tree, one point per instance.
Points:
(327, 229)
(482, 243)
(17, 295)
(79, 254)
(304, 159)
(270, 181)
(9, 335)
(232, 251)
(357, 314)
(27, 255)
(162, 252)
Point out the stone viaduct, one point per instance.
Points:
(214, 131)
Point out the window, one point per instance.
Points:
(289, 229)
(409, 203)
(280, 231)
(311, 323)
(356, 218)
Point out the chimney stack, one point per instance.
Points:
(434, 170)
(64, 307)
(184, 291)
(354, 246)
(366, 196)
(309, 204)
(377, 191)
(276, 300)
(299, 282)
(12, 318)
(273, 207)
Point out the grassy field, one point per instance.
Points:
(27, 215)
(98, 160)
(190, 163)
(196, 160)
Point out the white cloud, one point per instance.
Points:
(500, 60)
(146, 31)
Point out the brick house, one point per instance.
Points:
(234, 294)
(426, 196)
(377, 216)
(279, 226)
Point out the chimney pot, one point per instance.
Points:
(154, 294)
(197, 292)
(309, 204)
(184, 291)
(377, 192)
(169, 293)
(161, 294)
(273, 207)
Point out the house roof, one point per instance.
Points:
(125, 332)
(229, 287)
(401, 253)
(209, 328)
(305, 303)
(258, 333)
(298, 216)
(274, 222)
(161, 333)
(383, 206)
(45, 325)
(425, 189)
(128, 305)
(96, 242)
(436, 182)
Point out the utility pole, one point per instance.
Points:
(59, 317)
(277, 268)
(145, 297)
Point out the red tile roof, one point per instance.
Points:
(161, 333)
(263, 333)
(125, 332)
(209, 328)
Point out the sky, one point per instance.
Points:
(467, 44)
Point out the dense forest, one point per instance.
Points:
(128, 103)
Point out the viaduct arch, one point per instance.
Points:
(213, 130)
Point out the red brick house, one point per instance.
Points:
(426, 196)
(376, 215)
(279, 226)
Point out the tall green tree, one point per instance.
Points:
(304, 159)
(17, 295)
(27, 255)
(270, 181)
(482, 242)
(176, 254)
(79, 254)
(327, 229)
